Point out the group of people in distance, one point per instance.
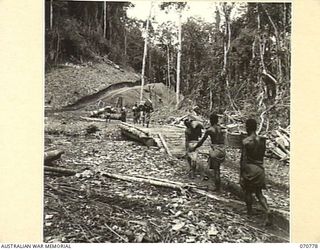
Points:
(252, 173)
(142, 113)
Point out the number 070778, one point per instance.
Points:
(308, 245)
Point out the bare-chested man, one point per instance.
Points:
(217, 153)
(123, 113)
(136, 113)
(148, 108)
(192, 134)
(252, 174)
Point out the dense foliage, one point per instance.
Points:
(239, 63)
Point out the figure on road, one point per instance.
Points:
(252, 173)
(148, 108)
(136, 113)
(217, 153)
(192, 134)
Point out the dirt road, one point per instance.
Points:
(90, 207)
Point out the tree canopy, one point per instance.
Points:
(238, 62)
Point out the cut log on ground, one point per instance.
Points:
(136, 134)
(144, 180)
(107, 109)
(89, 119)
(58, 170)
(135, 128)
(185, 185)
(279, 214)
(51, 156)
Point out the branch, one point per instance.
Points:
(271, 21)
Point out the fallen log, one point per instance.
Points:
(286, 132)
(134, 127)
(185, 185)
(133, 131)
(89, 119)
(278, 152)
(143, 180)
(281, 146)
(148, 141)
(179, 186)
(178, 120)
(215, 197)
(136, 134)
(58, 170)
(51, 156)
(164, 144)
(280, 215)
(107, 109)
(285, 139)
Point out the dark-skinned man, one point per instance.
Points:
(192, 134)
(136, 113)
(252, 174)
(148, 108)
(142, 110)
(217, 153)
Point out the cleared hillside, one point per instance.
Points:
(68, 83)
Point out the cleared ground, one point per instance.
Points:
(90, 207)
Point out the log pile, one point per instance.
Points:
(279, 143)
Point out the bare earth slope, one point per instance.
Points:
(68, 83)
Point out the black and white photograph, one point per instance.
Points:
(166, 122)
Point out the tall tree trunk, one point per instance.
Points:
(262, 45)
(51, 14)
(110, 24)
(125, 41)
(96, 19)
(168, 58)
(276, 32)
(284, 20)
(150, 66)
(104, 19)
(210, 97)
(145, 54)
(226, 48)
(178, 63)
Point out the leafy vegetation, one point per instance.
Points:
(240, 63)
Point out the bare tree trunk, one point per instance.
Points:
(168, 55)
(150, 66)
(253, 49)
(279, 75)
(58, 48)
(262, 45)
(284, 20)
(51, 14)
(125, 41)
(178, 63)
(110, 25)
(211, 97)
(105, 19)
(145, 54)
(226, 48)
